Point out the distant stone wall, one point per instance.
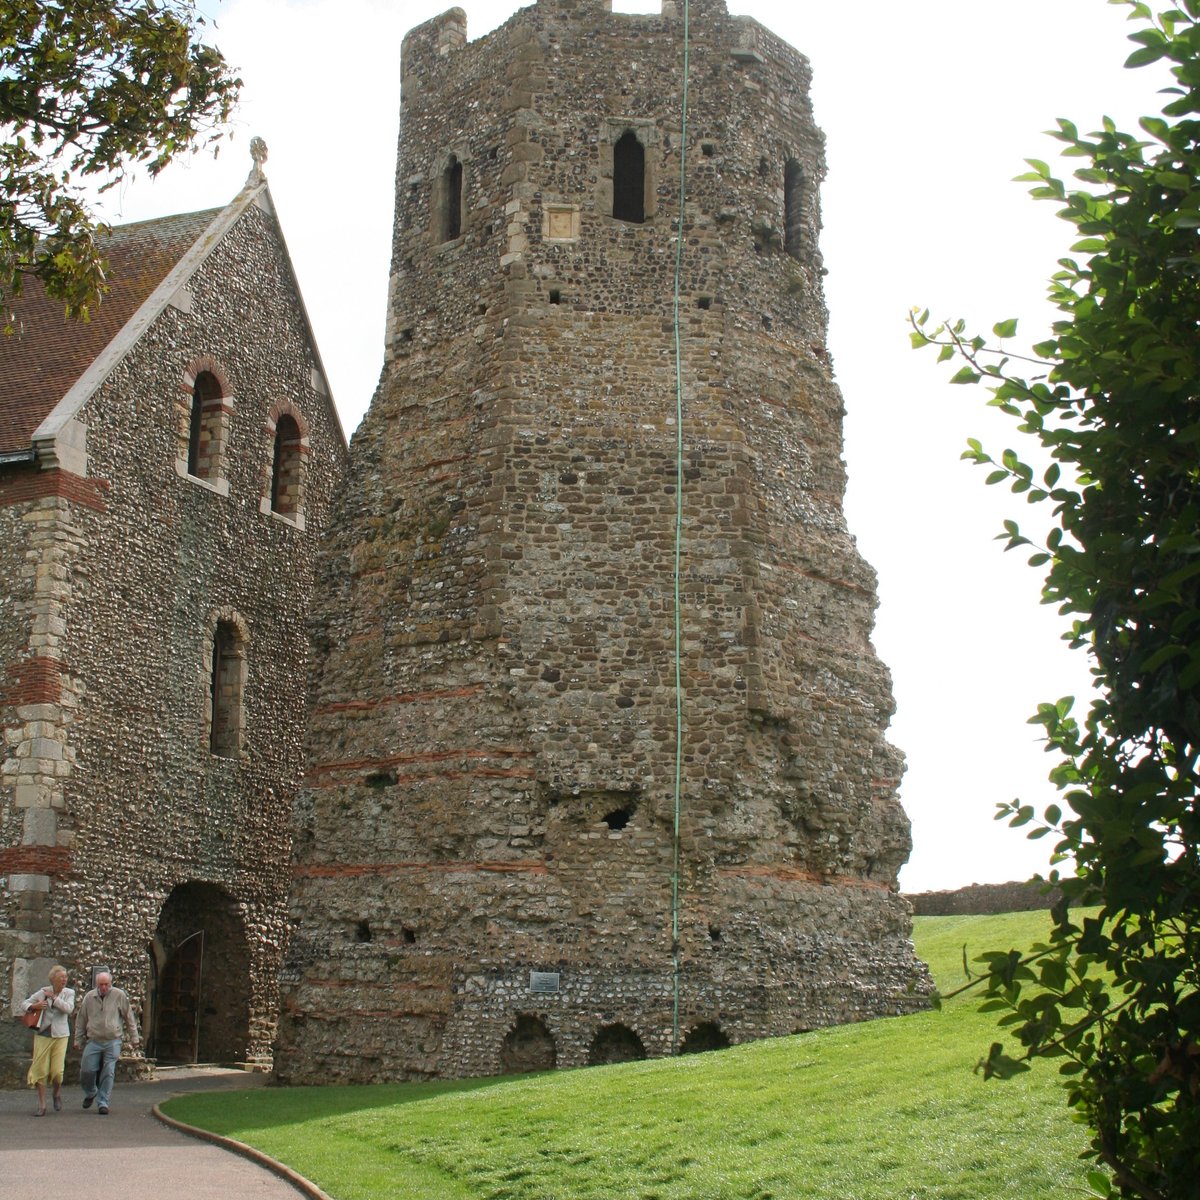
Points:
(983, 898)
(490, 792)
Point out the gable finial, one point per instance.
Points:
(258, 152)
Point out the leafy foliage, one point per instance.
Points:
(89, 88)
(1117, 407)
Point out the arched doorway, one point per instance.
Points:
(528, 1046)
(708, 1035)
(200, 962)
(615, 1044)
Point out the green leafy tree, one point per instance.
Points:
(1113, 399)
(88, 89)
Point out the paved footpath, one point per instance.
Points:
(128, 1153)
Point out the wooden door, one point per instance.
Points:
(178, 1025)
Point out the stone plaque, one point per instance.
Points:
(561, 224)
(543, 981)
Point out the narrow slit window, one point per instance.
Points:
(629, 179)
(452, 185)
(793, 208)
(225, 698)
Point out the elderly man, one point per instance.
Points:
(103, 1016)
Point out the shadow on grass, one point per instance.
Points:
(277, 1107)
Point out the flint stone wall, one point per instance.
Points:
(490, 789)
(131, 804)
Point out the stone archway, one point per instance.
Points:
(615, 1044)
(199, 1009)
(528, 1046)
(708, 1035)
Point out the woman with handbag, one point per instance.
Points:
(53, 1005)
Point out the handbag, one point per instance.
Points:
(30, 1019)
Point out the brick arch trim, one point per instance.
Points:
(285, 408)
(206, 362)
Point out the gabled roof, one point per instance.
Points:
(46, 354)
(50, 366)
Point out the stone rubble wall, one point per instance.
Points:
(985, 898)
(491, 751)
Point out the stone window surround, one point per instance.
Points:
(187, 384)
(216, 618)
(279, 409)
(441, 166)
(611, 131)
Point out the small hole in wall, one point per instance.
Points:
(714, 934)
(492, 152)
(764, 167)
(406, 335)
(618, 818)
(766, 321)
(362, 932)
(381, 779)
(409, 935)
(480, 310)
(707, 149)
(555, 296)
(704, 302)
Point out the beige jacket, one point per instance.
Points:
(105, 1018)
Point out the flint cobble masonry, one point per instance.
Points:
(484, 840)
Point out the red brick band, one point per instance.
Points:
(36, 860)
(34, 681)
(24, 486)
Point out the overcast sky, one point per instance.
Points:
(928, 112)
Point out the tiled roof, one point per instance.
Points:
(45, 354)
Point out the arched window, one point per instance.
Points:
(228, 679)
(450, 200)
(204, 428)
(629, 179)
(793, 208)
(285, 467)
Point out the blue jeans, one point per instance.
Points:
(98, 1068)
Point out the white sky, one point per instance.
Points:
(928, 112)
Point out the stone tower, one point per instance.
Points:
(486, 845)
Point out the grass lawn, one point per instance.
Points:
(886, 1110)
